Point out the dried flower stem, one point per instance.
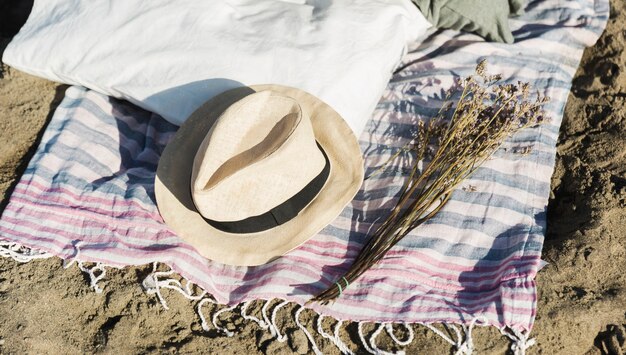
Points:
(485, 115)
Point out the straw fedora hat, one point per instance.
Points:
(255, 172)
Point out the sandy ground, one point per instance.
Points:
(45, 308)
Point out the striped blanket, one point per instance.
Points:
(88, 191)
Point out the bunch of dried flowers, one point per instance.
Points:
(456, 145)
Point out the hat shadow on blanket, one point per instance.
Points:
(137, 147)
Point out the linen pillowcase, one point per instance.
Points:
(486, 18)
(169, 57)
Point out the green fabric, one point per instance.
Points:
(517, 7)
(487, 18)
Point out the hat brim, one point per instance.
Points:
(173, 179)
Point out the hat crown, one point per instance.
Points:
(260, 152)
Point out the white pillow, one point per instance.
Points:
(171, 56)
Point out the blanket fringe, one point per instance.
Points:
(409, 339)
(276, 331)
(463, 345)
(266, 318)
(157, 280)
(334, 338)
(215, 317)
(376, 349)
(521, 341)
(459, 337)
(152, 284)
(314, 347)
(20, 253)
(95, 272)
(244, 309)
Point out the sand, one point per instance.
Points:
(45, 308)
